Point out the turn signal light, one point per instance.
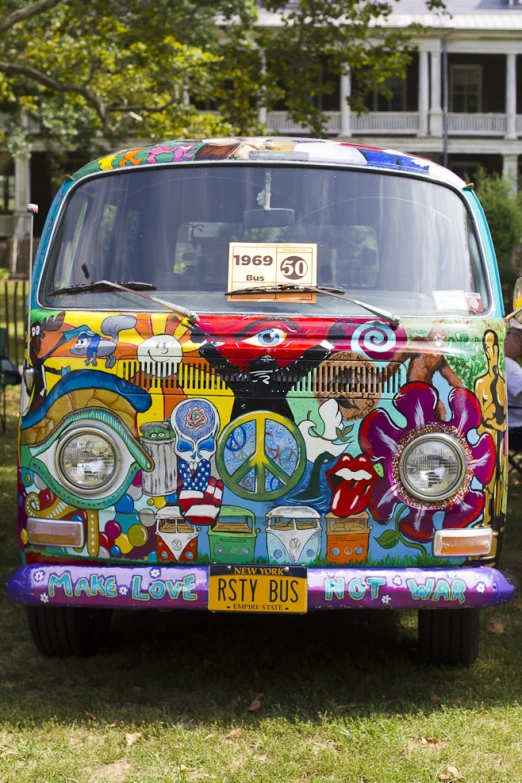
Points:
(55, 533)
(461, 543)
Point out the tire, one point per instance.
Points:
(60, 631)
(449, 636)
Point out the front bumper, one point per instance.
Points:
(186, 587)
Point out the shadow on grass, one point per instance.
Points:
(202, 669)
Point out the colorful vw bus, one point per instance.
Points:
(176, 540)
(293, 534)
(232, 539)
(228, 331)
(347, 538)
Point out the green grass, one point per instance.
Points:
(345, 697)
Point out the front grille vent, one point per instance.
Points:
(341, 379)
(354, 379)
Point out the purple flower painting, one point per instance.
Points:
(382, 440)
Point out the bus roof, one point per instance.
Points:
(268, 149)
(293, 512)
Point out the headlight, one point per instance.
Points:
(433, 467)
(87, 460)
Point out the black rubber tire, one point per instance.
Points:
(60, 631)
(449, 636)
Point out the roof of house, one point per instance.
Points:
(278, 149)
(491, 15)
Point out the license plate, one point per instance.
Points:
(237, 588)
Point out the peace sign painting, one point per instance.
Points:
(261, 456)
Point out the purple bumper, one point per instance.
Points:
(186, 587)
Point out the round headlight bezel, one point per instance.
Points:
(78, 488)
(463, 475)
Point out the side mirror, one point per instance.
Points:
(517, 299)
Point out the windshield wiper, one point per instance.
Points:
(130, 287)
(317, 289)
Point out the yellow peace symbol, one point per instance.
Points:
(253, 430)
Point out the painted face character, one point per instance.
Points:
(95, 346)
(81, 345)
(261, 360)
(163, 350)
(195, 423)
(38, 334)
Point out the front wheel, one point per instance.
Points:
(449, 636)
(60, 631)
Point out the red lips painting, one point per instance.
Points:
(352, 480)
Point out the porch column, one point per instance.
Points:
(346, 91)
(22, 195)
(511, 96)
(424, 97)
(435, 107)
(261, 110)
(510, 171)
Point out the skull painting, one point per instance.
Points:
(195, 423)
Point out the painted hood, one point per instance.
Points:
(232, 449)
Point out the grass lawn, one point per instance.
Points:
(344, 696)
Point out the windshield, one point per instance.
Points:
(392, 241)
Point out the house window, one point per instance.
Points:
(7, 192)
(466, 88)
(397, 101)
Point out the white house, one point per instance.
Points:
(475, 51)
(479, 41)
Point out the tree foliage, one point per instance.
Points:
(119, 69)
(504, 214)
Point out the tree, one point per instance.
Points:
(504, 214)
(119, 69)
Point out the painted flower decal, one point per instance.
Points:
(155, 572)
(44, 598)
(480, 587)
(195, 417)
(123, 590)
(386, 599)
(383, 441)
(397, 581)
(38, 576)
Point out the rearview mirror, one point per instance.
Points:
(268, 218)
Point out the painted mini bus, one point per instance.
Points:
(263, 375)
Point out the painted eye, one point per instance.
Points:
(209, 444)
(184, 445)
(37, 330)
(268, 338)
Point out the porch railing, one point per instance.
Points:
(400, 122)
(280, 122)
(477, 124)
